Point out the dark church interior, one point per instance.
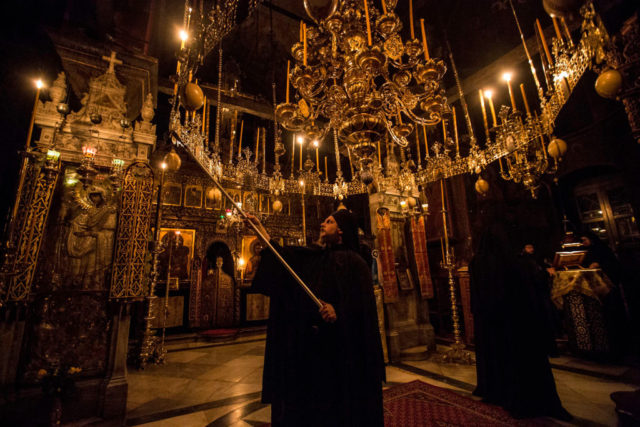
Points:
(165, 160)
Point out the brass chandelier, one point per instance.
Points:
(357, 79)
(359, 85)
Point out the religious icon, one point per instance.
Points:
(172, 194)
(210, 202)
(265, 203)
(176, 257)
(193, 196)
(255, 249)
(89, 244)
(404, 279)
(236, 195)
(250, 203)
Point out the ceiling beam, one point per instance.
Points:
(240, 102)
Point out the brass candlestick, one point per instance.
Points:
(149, 347)
(457, 353)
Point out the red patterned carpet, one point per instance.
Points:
(417, 404)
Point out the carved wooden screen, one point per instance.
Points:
(33, 209)
(129, 277)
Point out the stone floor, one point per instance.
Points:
(219, 385)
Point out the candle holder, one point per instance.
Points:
(457, 352)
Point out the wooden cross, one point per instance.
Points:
(112, 61)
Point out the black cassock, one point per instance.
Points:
(509, 328)
(318, 373)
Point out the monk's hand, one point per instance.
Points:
(328, 313)
(256, 222)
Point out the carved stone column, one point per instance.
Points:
(410, 334)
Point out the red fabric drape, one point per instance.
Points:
(386, 261)
(419, 238)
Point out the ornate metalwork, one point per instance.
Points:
(33, 219)
(129, 279)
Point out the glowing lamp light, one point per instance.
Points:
(425, 206)
(184, 35)
(301, 182)
(300, 139)
(177, 232)
(241, 262)
(163, 165)
(316, 143)
(39, 84)
(89, 152)
(239, 204)
(228, 212)
(403, 203)
(53, 155)
(506, 77)
(488, 93)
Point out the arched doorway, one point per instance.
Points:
(217, 294)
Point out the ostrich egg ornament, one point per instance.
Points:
(192, 97)
(277, 206)
(609, 83)
(173, 160)
(482, 186)
(557, 148)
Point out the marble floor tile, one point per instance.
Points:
(221, 384)
(195, 419)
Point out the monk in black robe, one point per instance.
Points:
(322, 367)
(511, 356)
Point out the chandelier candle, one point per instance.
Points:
(288, 71)
(524, 98)
(384, 6)
(366, 13)
(413, 34)
(304, 43)
(257, 146)
(484, 114)
(507, 78)
(417, 149)
(544, 42)
(426, 144)
(204, 112)
(489, 95)
(424, 40)
(455, 131)
(240, 139)
(557, 29)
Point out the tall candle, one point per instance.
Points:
(304, 43)
(493, 110)
(500, 162)
(350, 162)
(264, 150)
(444, 131)
(240, 139)
(424, 40)
(484, 114)
(326, 173)
(379, 155)
(544, 42)
(513, 100)
(257, 146)
(418, 148)
(557, 28)
(300, 156)
(567, 33)
(524, 98)
(293, 153)
(288, 70)
(455, 131)
(413, 35)
(366, 12)
(384, 6)
(444, 218)
(426, 145)
(204, 112)
(317, 161)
